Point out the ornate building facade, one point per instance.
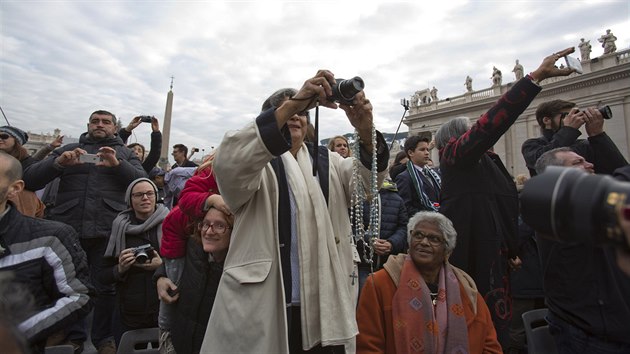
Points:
(605, 81)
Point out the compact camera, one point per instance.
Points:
(345, 90)
(574, 64)
(195, 149)
(89, 158)
(569, 205)
(146, 119)
(143, 253)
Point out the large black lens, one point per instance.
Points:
(570, 205)
(606, 112)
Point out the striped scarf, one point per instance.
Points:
(419, 185)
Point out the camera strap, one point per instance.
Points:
(316, 138)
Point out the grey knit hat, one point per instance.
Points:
(132, 184)
(19, 135)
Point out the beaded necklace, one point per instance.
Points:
(359, 196)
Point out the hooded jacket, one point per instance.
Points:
(89, 196)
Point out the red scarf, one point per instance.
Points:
(421, 327)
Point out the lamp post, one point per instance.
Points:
(405, 103)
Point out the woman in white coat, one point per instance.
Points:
(289, 282)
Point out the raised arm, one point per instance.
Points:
(470, 146)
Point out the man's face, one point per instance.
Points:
(555, 123)
(159, 181)
(420, 155)
(101, 126)
(8, 189)
(574, 160)
(178, 155)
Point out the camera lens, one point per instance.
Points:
(606, 112)
(570, 205)
(345, 90)
(142, 257)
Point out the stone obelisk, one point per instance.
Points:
(166, 132)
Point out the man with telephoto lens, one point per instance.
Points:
(560, 122)
(587, 294)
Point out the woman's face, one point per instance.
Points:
(215, 233)
(427, 246)
(340, 146)
(7, 142)
(138, 151)
(143, 200)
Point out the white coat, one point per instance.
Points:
(249, 313)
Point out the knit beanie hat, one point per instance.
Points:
(132, 184)
(19, 135)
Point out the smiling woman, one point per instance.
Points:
(438, 302)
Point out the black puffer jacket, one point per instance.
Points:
(198, 284)
(89, 196)
(45, 256)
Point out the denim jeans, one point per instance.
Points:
(572, 340)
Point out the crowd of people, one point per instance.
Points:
(256, 249)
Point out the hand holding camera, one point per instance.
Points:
(594, 121)
(575, 119)
(70, 158)
(548, 67)
(135, 122)
(107, 157)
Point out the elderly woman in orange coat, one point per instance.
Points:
(419, 303)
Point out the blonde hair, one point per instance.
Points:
(331, 143)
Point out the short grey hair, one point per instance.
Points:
(277, 97)
(442, 222)
(454, 128)
(550, 158)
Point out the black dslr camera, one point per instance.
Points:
(143, 253)
(146, 119)
(345, 90)
(569, 205)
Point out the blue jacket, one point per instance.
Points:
(394, 220)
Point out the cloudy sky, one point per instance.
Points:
(61, 60)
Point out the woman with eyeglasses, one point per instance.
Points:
(12, 142)
(132, 257)
(419, 302)
(194, 295)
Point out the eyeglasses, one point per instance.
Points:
(140, 195)
(102, 121)
(4, 136)
(217, 228)
(418, 236)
